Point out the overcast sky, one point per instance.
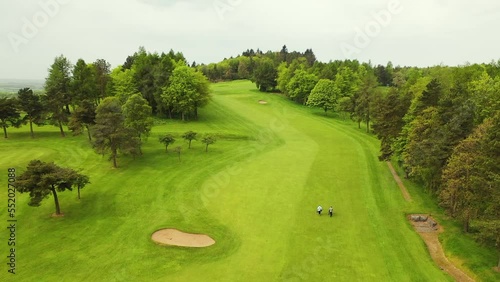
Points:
(417, 33)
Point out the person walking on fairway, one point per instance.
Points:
(320, 209)
(330, 211)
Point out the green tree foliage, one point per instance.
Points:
(166, 140)
(424, 155)
(122, 84)
(9, 114)
(485, 95)
(42, 179)
(347, 81)
(208, 139)
(188, 90)
(265, 75)
(189, 136)
(471, 181)
(388, 114)
(83, 117)
(58, 96)
(138, 115)
(110, 135)
(30, 104)
(364, 97)
(301, 85)
(83, 85)
(151, 73)
(463, 180)
(286, 72)
(324, 95)
(101, 72)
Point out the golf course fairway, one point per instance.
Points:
(255, 192)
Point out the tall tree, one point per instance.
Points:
(324, 95)
(388, 114)
(122, 84)
(188, 90)
(31, 104)
(364, 99)
(301, 85)
(102, 71)
(138, 115)
(144, 75)
(57, 89)
(265, 75)
(463, 181)
(83, 117)
(83, 85)
(9, 114)
(424, 154)
(42, 179)
(110, 133)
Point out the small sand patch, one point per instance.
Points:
(175, 237)
(57, 215)
(262, 102)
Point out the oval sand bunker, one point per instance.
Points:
(175, 237)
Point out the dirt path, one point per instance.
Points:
(430, 234)
(405, 193)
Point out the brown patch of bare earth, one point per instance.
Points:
(429, 230)
(175, 237)
(405, 193)
(262, 102)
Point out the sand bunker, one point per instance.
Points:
(175, 237)
(262, 102)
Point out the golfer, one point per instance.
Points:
(319, 209)
(330, 211)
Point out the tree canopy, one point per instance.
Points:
(42, 179)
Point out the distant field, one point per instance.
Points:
(12, 86)
(255, 192)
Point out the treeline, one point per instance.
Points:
(440, 124)
(72, 92)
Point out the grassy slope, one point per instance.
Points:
(255, 192)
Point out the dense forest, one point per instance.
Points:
(440, 124)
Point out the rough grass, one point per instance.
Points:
(255, 192)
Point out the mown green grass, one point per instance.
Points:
(255, 192)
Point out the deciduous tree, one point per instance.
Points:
(167, 139)
(9, 114)
(189, 136)
(110, 133)
(324, 95)
(208, 140)
(138, 115)
(31, 104)
(42, 179)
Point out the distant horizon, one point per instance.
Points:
(395, 64)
